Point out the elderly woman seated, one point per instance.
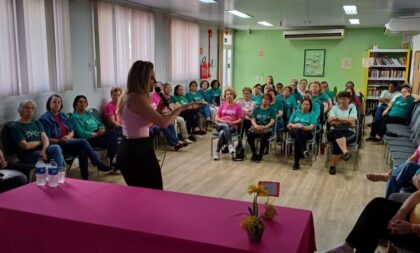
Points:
(87, 126)
(59, 131)
(30, 137)
(342, 118)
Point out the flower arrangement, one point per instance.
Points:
(253, 223)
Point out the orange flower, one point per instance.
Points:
(270, 211)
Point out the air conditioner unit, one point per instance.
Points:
(403, 24)
(324, 34)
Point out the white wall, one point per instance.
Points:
(415, 46)
(83, 62)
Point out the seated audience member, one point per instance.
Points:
(318, 96)
(301, 126)
(216, 92)
(179, 120)
(18, 179)
(353, 99)
(206, 94)
(326, 89)
(388, 220)
(30, 137)
(384, 99)
(398, 112)
(247, 105)
(290, 100)
(257, 95)
(59, 131)
(267, 88)
(406, 174)
(110, 112)
(316, 107)
(277, 106)
(263, 120)
(294, 92)
(268, 81)
(194, 96)
(342, 118)
(279, 88)
(87, 126)
(169, 132)
(191, 116)
(303, 84)
(228, 119)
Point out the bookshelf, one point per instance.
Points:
(387, 65)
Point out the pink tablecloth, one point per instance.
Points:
(82, 216)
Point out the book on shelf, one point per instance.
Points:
(388, 73)
(386, 61)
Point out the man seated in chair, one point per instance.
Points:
(30, 137)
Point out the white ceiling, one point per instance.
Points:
(286, 14)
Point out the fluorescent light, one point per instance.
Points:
(265, 23)
(208, 1)
(239, 14)
(354, 21)
(350, 9)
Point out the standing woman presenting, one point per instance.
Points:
(136, 156)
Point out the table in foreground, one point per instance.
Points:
(84, 216)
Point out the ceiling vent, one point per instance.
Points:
(324, 34)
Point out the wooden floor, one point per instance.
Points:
(336, 201)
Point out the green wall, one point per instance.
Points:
(283, 59)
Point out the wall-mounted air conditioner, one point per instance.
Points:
(403, 24)
(322, 34)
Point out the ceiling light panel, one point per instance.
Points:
(239, 14)
(354, 21)
(265, 23)
(350, 9)
(208, 1)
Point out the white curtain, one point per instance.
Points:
(125, 35)
(184, 50)
(34, 46)
(106, 45)
(142, 36)
(8, 63)
(62, 68)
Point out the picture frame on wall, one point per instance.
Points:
(314, 62)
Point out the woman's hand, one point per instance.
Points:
(44, 155)
(401, 227)
(101, 131)
(399, 216)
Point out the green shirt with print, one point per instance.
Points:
(402, 107)
(305, 119)
(263, 116)
(193, 97)
(179, 99)
(26, 132)
(85, 124)
(291, 103)
(321, 97)
(257, 99)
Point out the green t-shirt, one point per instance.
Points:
(178, 99)
(297, 96)
(257, 99)
(305, 119)
(193, 97)
(316, 109)
(263, 117)
(330, 94)
(85, 124)
(216, 92)
(321, 97)
(26, 132)
(291, 103)
(402, 107)
(207, 95)
(278, 106)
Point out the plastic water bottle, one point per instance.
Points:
(41, 173)
(53, 174)
(61, 174)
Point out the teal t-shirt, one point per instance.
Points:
(297, 96)
(178, 99)
(305, 119)
(278, 106)
(193, 97)
(330, 94)
(402, 107)
(291, 103)
(257, 99)
(263, 117)
(321, 97)
(26, 131)
(206, 95)
(216, 92)
(316, 109)
(85, 124)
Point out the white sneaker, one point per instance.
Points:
(186, 140)
(216, 156)
(231, 149)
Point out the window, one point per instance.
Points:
(125, 35)
(184, 50)
(34, 47)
